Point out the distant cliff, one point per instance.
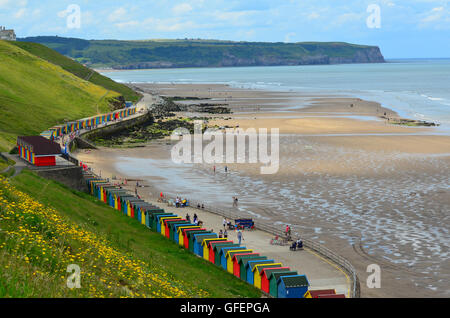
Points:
(206, 53)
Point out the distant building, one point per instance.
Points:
(8, 35)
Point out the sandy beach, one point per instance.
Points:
(374, 192)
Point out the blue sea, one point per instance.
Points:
(418, 89)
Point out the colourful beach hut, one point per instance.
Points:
(332, 296)
(257, 273)
(317, 293)
(212, 249)
(38, 151)
(176, 227)
(251, 265)
(180, 232)
(191, 237)
(198, 239)
(265, 274)
(158, 218)
(48, 134)
(173, 229)
(243, 264)
(223, 254)
(273, 281)
(294, 286)
(162, 225)
(205, 245)
(236, 265)
(187, 236)
(154, 221)
(229, 258)
(218, 249)
(170, 221)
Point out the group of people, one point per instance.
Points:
(195, 220)
(297, 245)
(181, 203)
(226, 223)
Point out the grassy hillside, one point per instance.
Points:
(206, 53)
(42, 233)
(78, 69)
(36, 94)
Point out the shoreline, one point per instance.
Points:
(382, 151)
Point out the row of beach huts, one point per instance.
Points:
(42, 150)
(270, 276)
(88, 123)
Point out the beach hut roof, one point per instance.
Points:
(238, 257)
(260, 267)
(243, 251)
(187, 226)
(294, 281)
(276, 275)
(201, 237)
(332, 296)
(245, 260)
(39, 145)
(316, 293)
(269, 270)
(253, 263)
(206, 241)
(224, 244)
(214, 243)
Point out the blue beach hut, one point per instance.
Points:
(198, 239)
(223, 254)
(249, 268)
(294, 286)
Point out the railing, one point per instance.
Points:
(317, 247)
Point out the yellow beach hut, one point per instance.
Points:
(161, 222)
(229, 258)
(257, 272)
(205, 244)
(180, 233)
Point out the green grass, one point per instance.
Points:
(123, 234)
(36, 95)
(78, 69)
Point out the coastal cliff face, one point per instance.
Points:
(207, 53)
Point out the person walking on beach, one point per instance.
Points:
(226, 169)
(224, 222)
(288, 232)
(225, 234)
(239, 236)
(220, 234)
(188, 217)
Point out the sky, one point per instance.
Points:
(401, 28)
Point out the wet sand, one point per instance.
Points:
(371, 191)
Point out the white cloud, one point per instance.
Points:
(313, 15)
(435, 15)
(19, 14)
(117, 14)
(124, 25)
(182, 8)
(3, 3)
